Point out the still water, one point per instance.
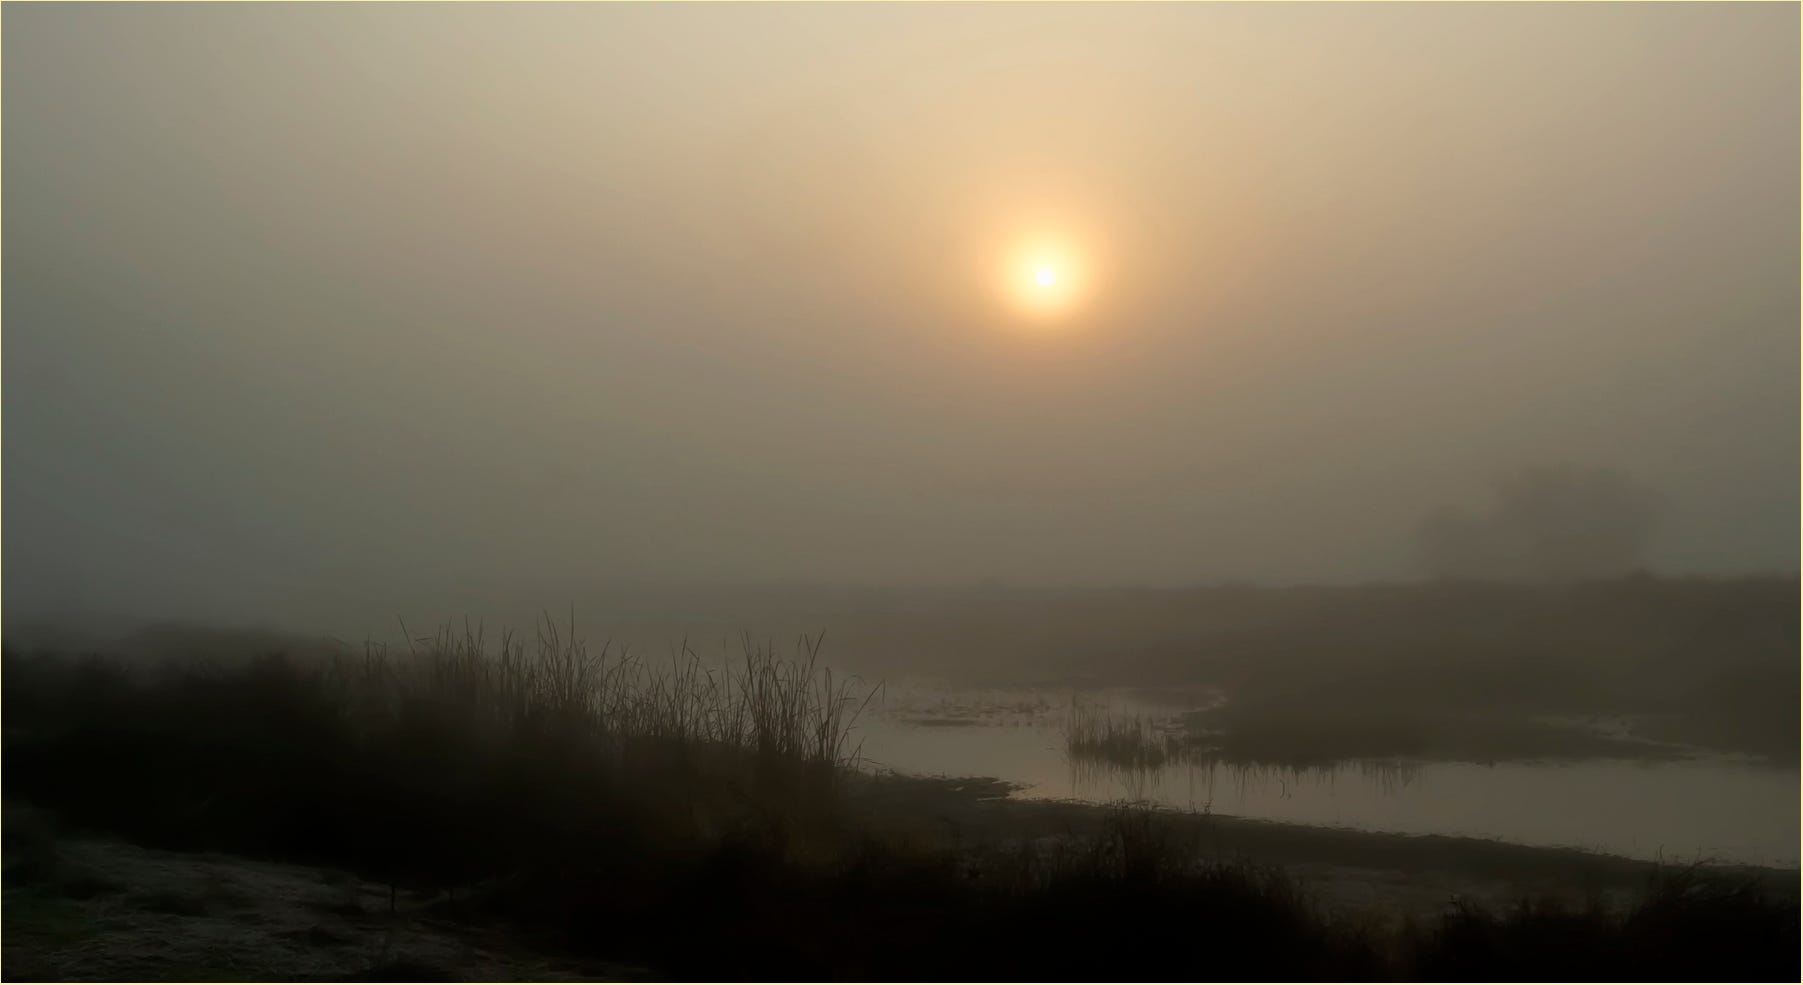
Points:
(1683, 810)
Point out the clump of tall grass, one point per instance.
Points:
(448, 760)
(1128, 742)
(762, 704)
(1138, 748)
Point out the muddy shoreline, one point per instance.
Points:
(1396, 874)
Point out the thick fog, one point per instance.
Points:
(318, 306)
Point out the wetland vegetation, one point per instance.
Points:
(601, 807)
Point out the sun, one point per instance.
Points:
(1044, 277)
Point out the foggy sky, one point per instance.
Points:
(306, 304)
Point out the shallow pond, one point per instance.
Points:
(1682, 809)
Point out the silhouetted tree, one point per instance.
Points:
(1550, 524)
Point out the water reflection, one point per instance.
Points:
(1136, 756)
(1200, 773)
(1673, 809)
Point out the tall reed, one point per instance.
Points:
(762, 704)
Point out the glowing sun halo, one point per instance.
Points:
(1044, 277)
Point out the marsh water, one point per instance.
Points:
(1685, 807)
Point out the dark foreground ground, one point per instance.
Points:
(100, 909)
(85, 906)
